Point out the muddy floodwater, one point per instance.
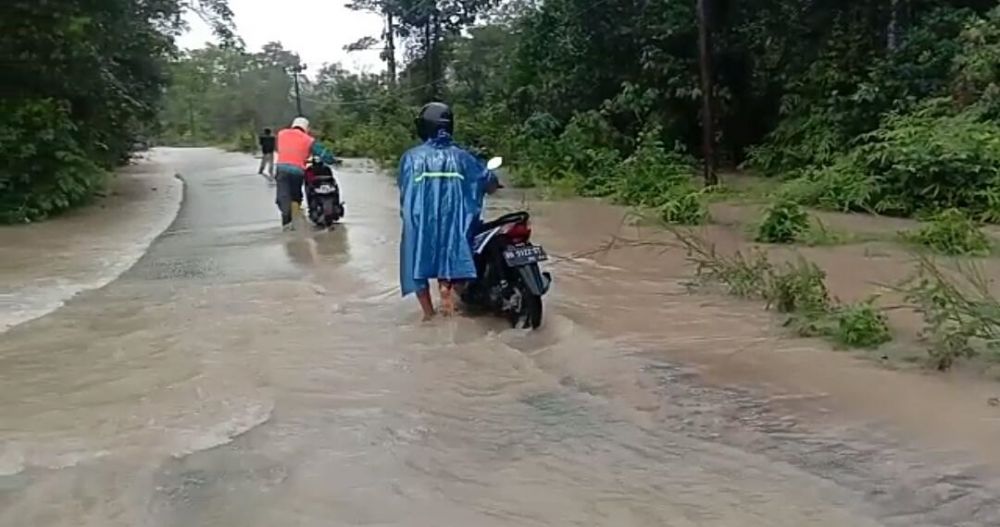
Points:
(240, 376)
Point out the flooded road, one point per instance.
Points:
(239, 376)
(85, 248)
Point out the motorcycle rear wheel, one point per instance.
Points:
(531, 312)
(329, 215)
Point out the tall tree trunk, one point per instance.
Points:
(892, 31)
(429, 58)
(707, 117)
(436, 68)
(390, 44)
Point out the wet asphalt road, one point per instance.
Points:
(240, 376)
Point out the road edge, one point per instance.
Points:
(172, 201)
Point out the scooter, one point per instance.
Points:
(510, 282)
(323, 194)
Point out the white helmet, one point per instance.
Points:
(301, 122)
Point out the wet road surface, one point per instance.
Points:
(44, 264)
(240, 376)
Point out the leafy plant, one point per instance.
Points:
(860, 325)
(653, 175)
(744, 275)
(246, 141)
(684, 209)
(77, 95)
(802, 140)
(839, 186)
(783, 222)
(797, 287)
(960, 312)
(975, 67)
(925, 161)
(951, 232)
(47, 171)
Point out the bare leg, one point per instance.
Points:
(426, 304)
(447, 297)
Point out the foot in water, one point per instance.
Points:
(447, 299)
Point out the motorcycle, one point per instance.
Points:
(509, 282)
(323, 195)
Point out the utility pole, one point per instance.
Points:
(295, 71)
(707, 117)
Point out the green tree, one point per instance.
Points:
(81, 81)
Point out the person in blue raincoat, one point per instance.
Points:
(441, 190)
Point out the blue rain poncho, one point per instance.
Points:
(441, 190)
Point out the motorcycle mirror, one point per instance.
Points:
(494, 163)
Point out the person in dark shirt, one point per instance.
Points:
(267, 147)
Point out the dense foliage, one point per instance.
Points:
(873, 106)
(225, 95)
(81, 83)
(886, 106)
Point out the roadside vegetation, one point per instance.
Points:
(81, 85)
(796, 289)
(952, 232)
(960, 312)
(886, 108)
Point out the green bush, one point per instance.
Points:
(661, 179)
(579, 157)
(783, 222)
(802, 140)
(525, 175)
(860, 325)
(742, 274)
(653, 173)
(798, 287)
(45, 170)
(926, 161)
(245, 141)
(382, 142)
(839, 186)
(684, 209)
(960, 310)
(976, 81)
(952, 232)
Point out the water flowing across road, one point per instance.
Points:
(240, 376)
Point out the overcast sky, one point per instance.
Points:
(317, 30)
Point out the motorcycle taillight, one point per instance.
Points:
(519, 232)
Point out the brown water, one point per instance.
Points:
(86, 248)
(238, 376)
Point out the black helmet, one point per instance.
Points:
(434, 116)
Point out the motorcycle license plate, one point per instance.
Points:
(325, 189)
(525, 255)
